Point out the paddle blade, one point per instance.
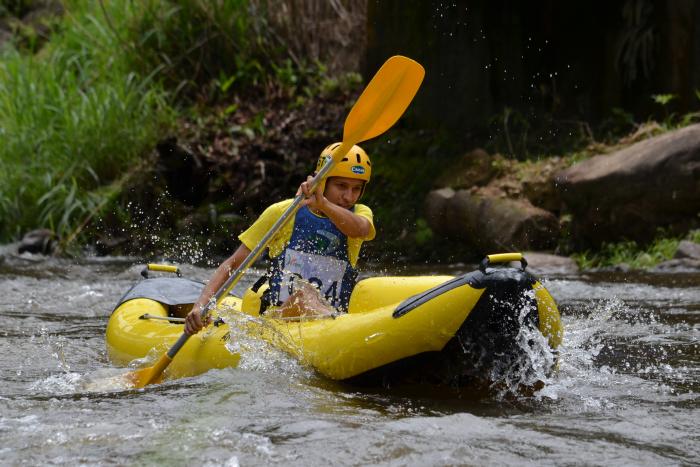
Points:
(151, 375)
(384, 99)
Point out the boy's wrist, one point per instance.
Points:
(323, 204)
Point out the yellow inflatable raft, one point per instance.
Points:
(437, 328)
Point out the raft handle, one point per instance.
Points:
(160, 268)
(502, 258)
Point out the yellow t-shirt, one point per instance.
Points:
(252, 236)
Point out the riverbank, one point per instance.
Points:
(210, 143)
(234, 164)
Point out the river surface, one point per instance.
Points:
(626, 392)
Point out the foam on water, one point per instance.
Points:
(597, 357)
(257, 354)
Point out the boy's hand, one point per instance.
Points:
(314, 200)
(194, 322)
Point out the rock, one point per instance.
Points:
(435, 209)
(539, 185)
(9, 249)
(42, 241)
(632, 192)
(106, 245)
(546, 263)
(542, 193)
(492, 224)
(462, 217)
(678, 265)
(688, 249)
(617, 268)
(473, 169)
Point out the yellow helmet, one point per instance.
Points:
(355, 164)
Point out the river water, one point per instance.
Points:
(626, 392)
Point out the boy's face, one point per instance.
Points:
(343, 191)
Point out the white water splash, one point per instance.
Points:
(256, 353)
(591, 364)
(64, 383)
(532, 362)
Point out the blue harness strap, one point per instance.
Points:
(318, 253)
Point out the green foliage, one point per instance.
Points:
(342, 84)
(671, 120)
(663, 99)
(618, 123)
(15, 8)
(526, 135)
(190, 43)
(77, 112)
(201, 49)
(694, 236)
(423, 232)
(72, 118)
(688, 119)
(632, 254)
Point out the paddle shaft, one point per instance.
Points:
(235, 276)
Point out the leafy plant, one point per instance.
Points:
(81, 112)
(694, 236)
(72, 119)
(663, 99)
(423, 232)
(630, 253)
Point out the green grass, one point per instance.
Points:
(632, 254)
(68, 127)
(76, 114)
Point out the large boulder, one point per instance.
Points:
(688, 249)
(678, 265)
(631, 193)
(490, 224)
(546, 263)
(538, 183)
(435, 209)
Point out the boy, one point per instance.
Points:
(321, 245)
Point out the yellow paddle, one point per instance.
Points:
(381, 104)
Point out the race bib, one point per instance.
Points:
(324, 272)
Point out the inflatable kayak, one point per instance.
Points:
(442, 328)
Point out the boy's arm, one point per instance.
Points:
(193, 322)
(348, 222)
